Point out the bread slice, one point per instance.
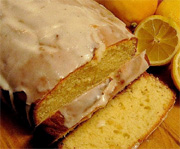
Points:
(127, 120)
(81, 108)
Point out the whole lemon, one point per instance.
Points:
(171, 9)
(131, 11)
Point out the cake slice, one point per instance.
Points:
(83, 79)
(127, 120)
(82, 107)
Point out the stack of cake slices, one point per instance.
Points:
(127, 120)
(63, 60)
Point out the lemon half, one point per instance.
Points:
(160, 37)
(175, 71)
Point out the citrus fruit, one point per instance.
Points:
(171, 9)
(131, 11)
(175, 71)
(160, 37)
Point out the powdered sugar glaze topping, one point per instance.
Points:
(42, 41)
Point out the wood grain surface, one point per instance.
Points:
(15, 133)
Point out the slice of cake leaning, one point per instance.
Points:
(55, 52)
(127, 119)
(82, 107)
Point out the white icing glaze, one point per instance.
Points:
(81, 106)
(99, 96)
(42, 41)
(101, 123)
(136, 145)
(129, 72)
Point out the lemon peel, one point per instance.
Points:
(175, 71)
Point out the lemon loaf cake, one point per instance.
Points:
(54, 51)
(127, 119)
(82, 107)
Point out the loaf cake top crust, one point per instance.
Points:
(44, 41)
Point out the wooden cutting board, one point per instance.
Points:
(14, 133)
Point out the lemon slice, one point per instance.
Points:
(160, 37)
(175, 71)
